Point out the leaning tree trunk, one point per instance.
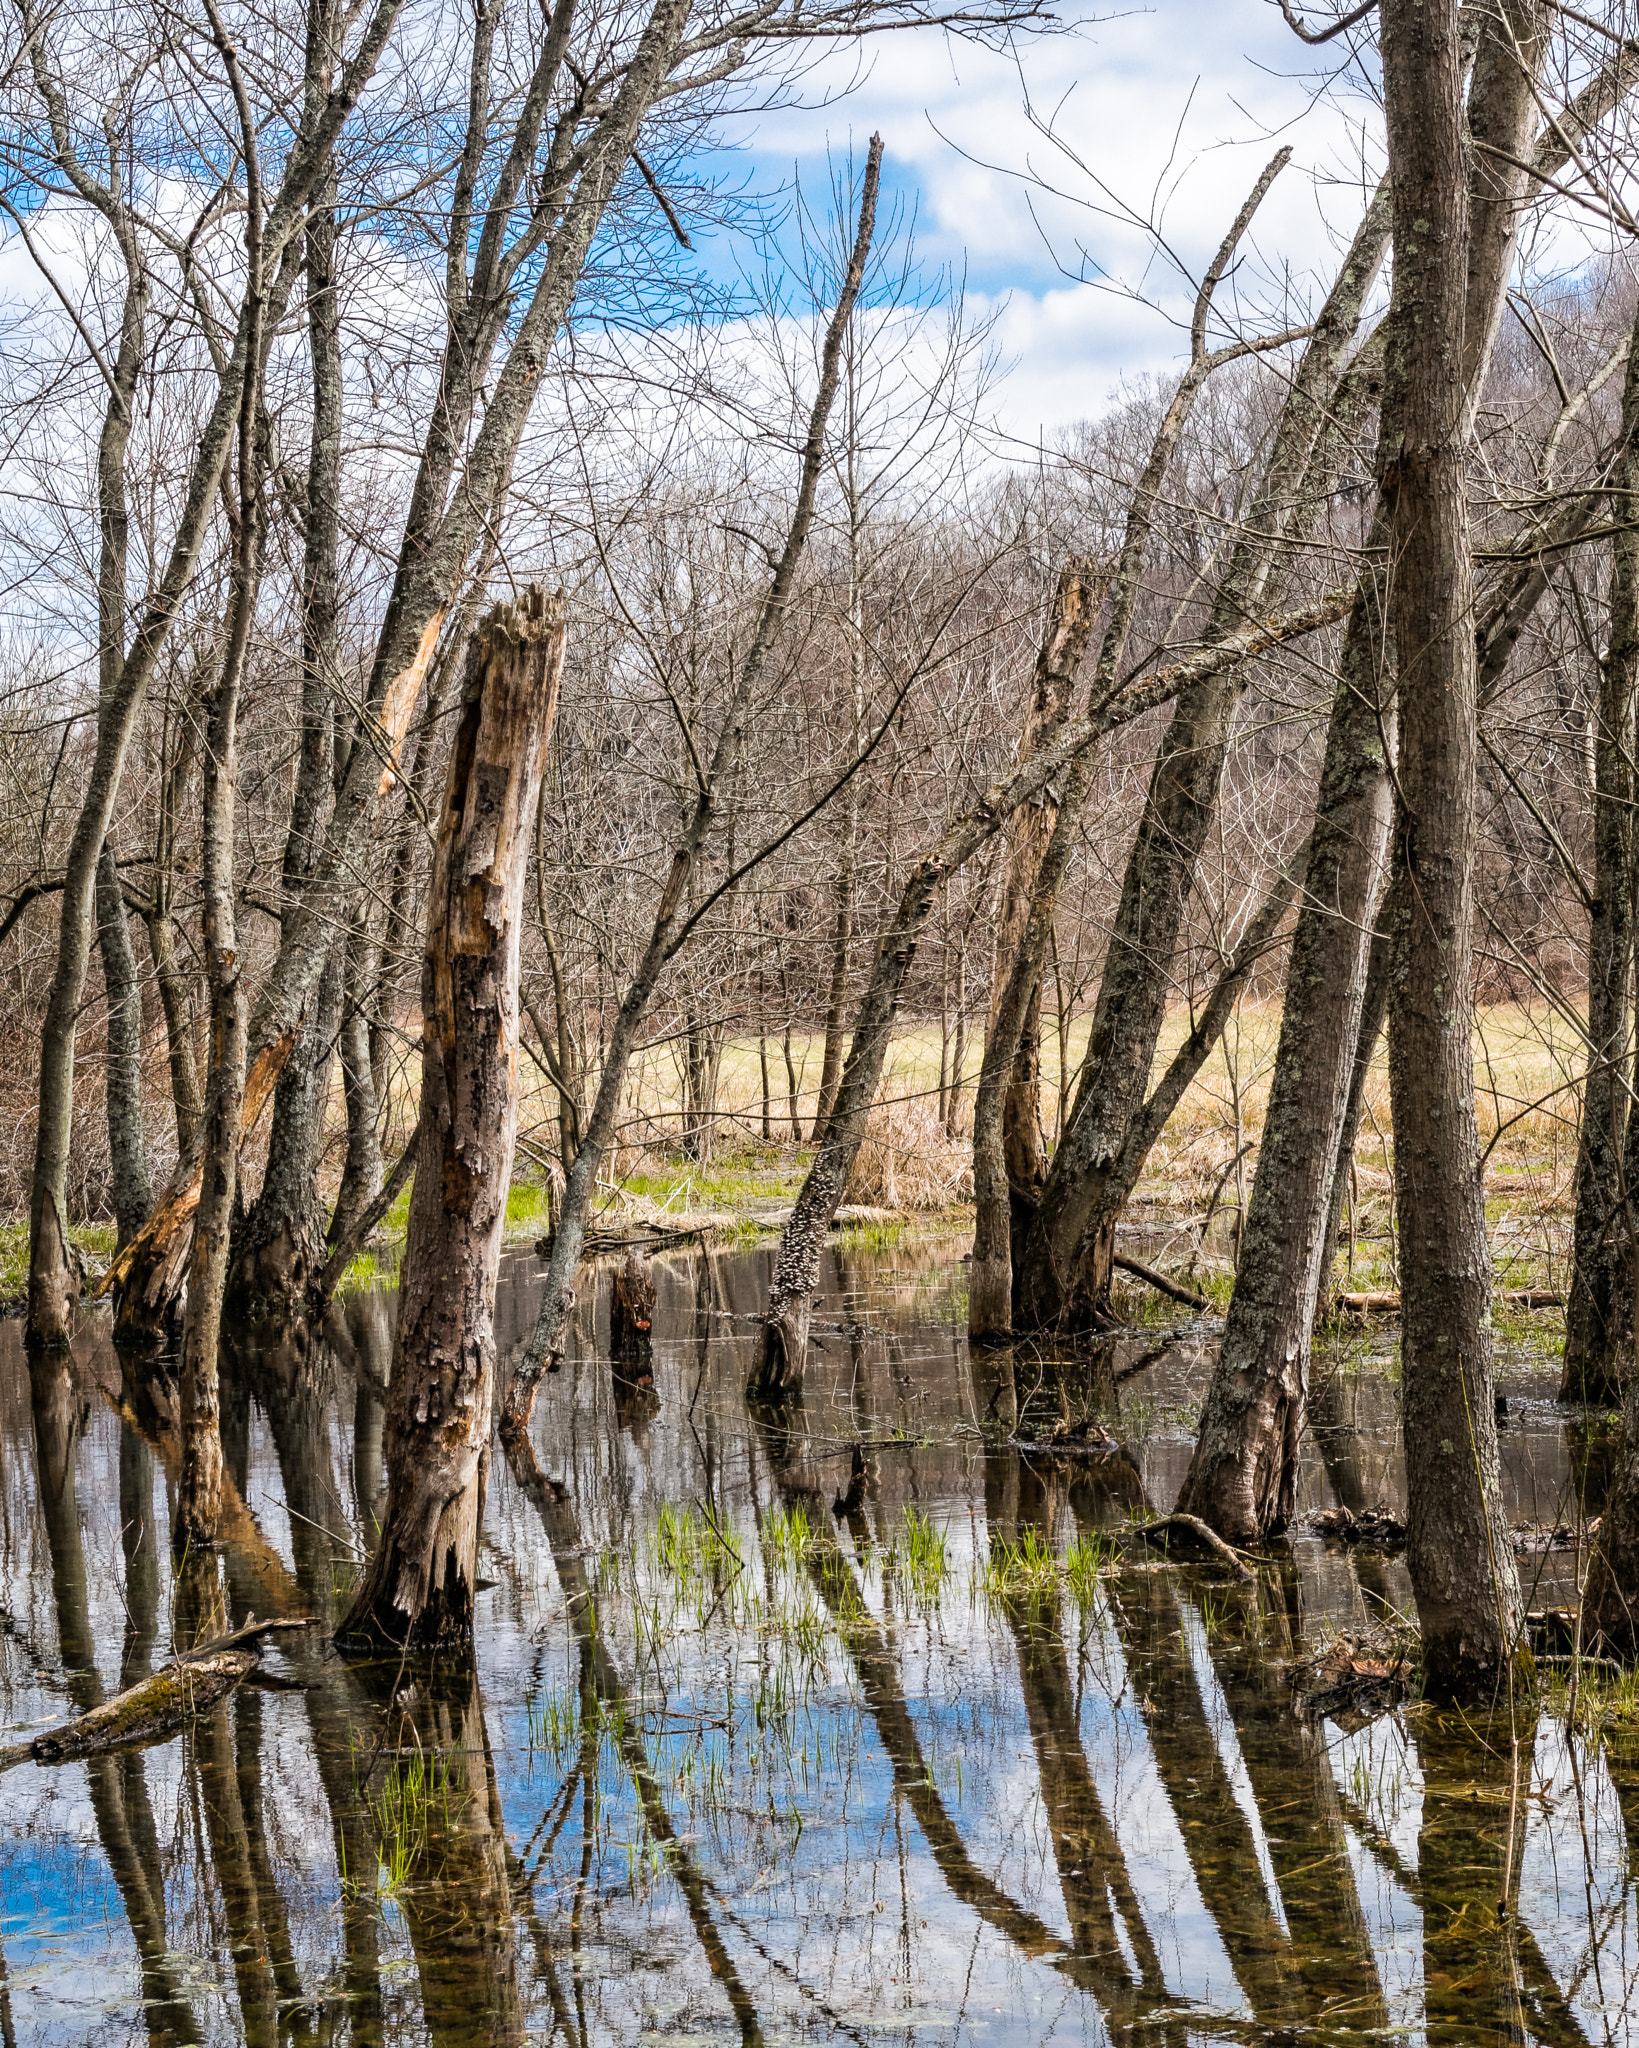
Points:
(802, 1241)
(362, 1168)
(420, 1586)
(1242, 1479)
(1460, 1552)
(1599, 1314)
(1066, 1263)
(127, 1149)
(1008, 1163)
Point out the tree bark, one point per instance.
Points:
(1460, 1552)
(362, 1167)
(1599, 1314)
(420, 1586)
(1610, 1599)
(1373, 1009)
(1242, 1479)
(127, 1148)
(1008, 1162)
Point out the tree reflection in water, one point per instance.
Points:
(731, 1765)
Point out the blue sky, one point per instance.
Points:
(1175, 106)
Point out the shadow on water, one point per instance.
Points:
(832, 1721)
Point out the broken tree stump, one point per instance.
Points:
(419, 1590)
(631, 1307)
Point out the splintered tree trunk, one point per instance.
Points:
(1008, 1164)
(1242, 1479)
(420, 1585)
(1599, 1314)
(1460, 1552)
(127, 1148)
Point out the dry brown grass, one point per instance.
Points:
(908, 1162)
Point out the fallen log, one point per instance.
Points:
(156, 1706)
(1387, 1302)
(1173, 1289)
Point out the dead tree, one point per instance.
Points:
(420, 1586)
(631, 1307)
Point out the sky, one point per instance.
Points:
(1175, 107)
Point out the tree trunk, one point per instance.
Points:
(279, 1246)
(1373, 1009)
(127, 1149)
(199, 1490)
(53, 1275)
(1007, 1108)
(1460, 1552)
(420, 1586)
(362, 1168)
(958, 1051)
(187, 1098)
(1242, 1480)
(1599, 1314)
(1065, 1268)
(280, 1242)
(1610, 1599)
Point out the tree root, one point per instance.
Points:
(1199, 1530)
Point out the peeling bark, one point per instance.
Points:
(420, 1586)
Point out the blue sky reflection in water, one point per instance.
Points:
(732, 1767)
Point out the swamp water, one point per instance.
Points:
(731, 1766)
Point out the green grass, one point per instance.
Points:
(918, 1556)
(96, 1240)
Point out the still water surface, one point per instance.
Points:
(733, 1766)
